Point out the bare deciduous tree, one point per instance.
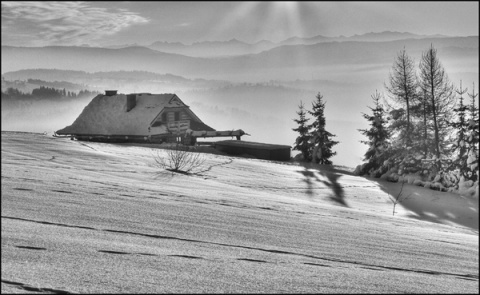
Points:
(399, 198)
(180, 159)
(436, 86)
(403, 86)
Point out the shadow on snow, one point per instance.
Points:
(327, 177)
(435, 206)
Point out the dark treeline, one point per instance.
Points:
(46, 93)
(424, 132)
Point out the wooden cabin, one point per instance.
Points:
(140, 117)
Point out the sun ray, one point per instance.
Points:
(237, 17)
(275, 21)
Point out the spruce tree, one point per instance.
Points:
(460, 125)
(321, 138)
(472, 137)
(426, 137)
(378, 137)
(302, 143)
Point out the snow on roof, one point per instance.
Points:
(107, 115)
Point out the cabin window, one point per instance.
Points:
(177, 116)
(164, 117)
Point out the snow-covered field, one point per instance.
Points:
(85, 217)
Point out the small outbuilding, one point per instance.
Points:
(258, 150)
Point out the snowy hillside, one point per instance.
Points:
(85, 217)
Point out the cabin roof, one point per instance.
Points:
(107, 114)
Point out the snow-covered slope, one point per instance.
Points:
(94, 217)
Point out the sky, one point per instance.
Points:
(70, 23)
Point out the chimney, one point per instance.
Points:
(110, 92)
(131, 101)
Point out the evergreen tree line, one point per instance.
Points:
(46, 93)
(424, 126)
(314, 141)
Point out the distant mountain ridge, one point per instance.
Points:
(315, 56)
(235, 47)
(61, 75)
(212, 48)
(368, 37)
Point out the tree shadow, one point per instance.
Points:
(308, 176)
(331, 182)
(435, 206)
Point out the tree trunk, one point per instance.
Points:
(405, 89)
(435, 127)
(315, 155)
(434, 111)
(408, 121)
(425, 125)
